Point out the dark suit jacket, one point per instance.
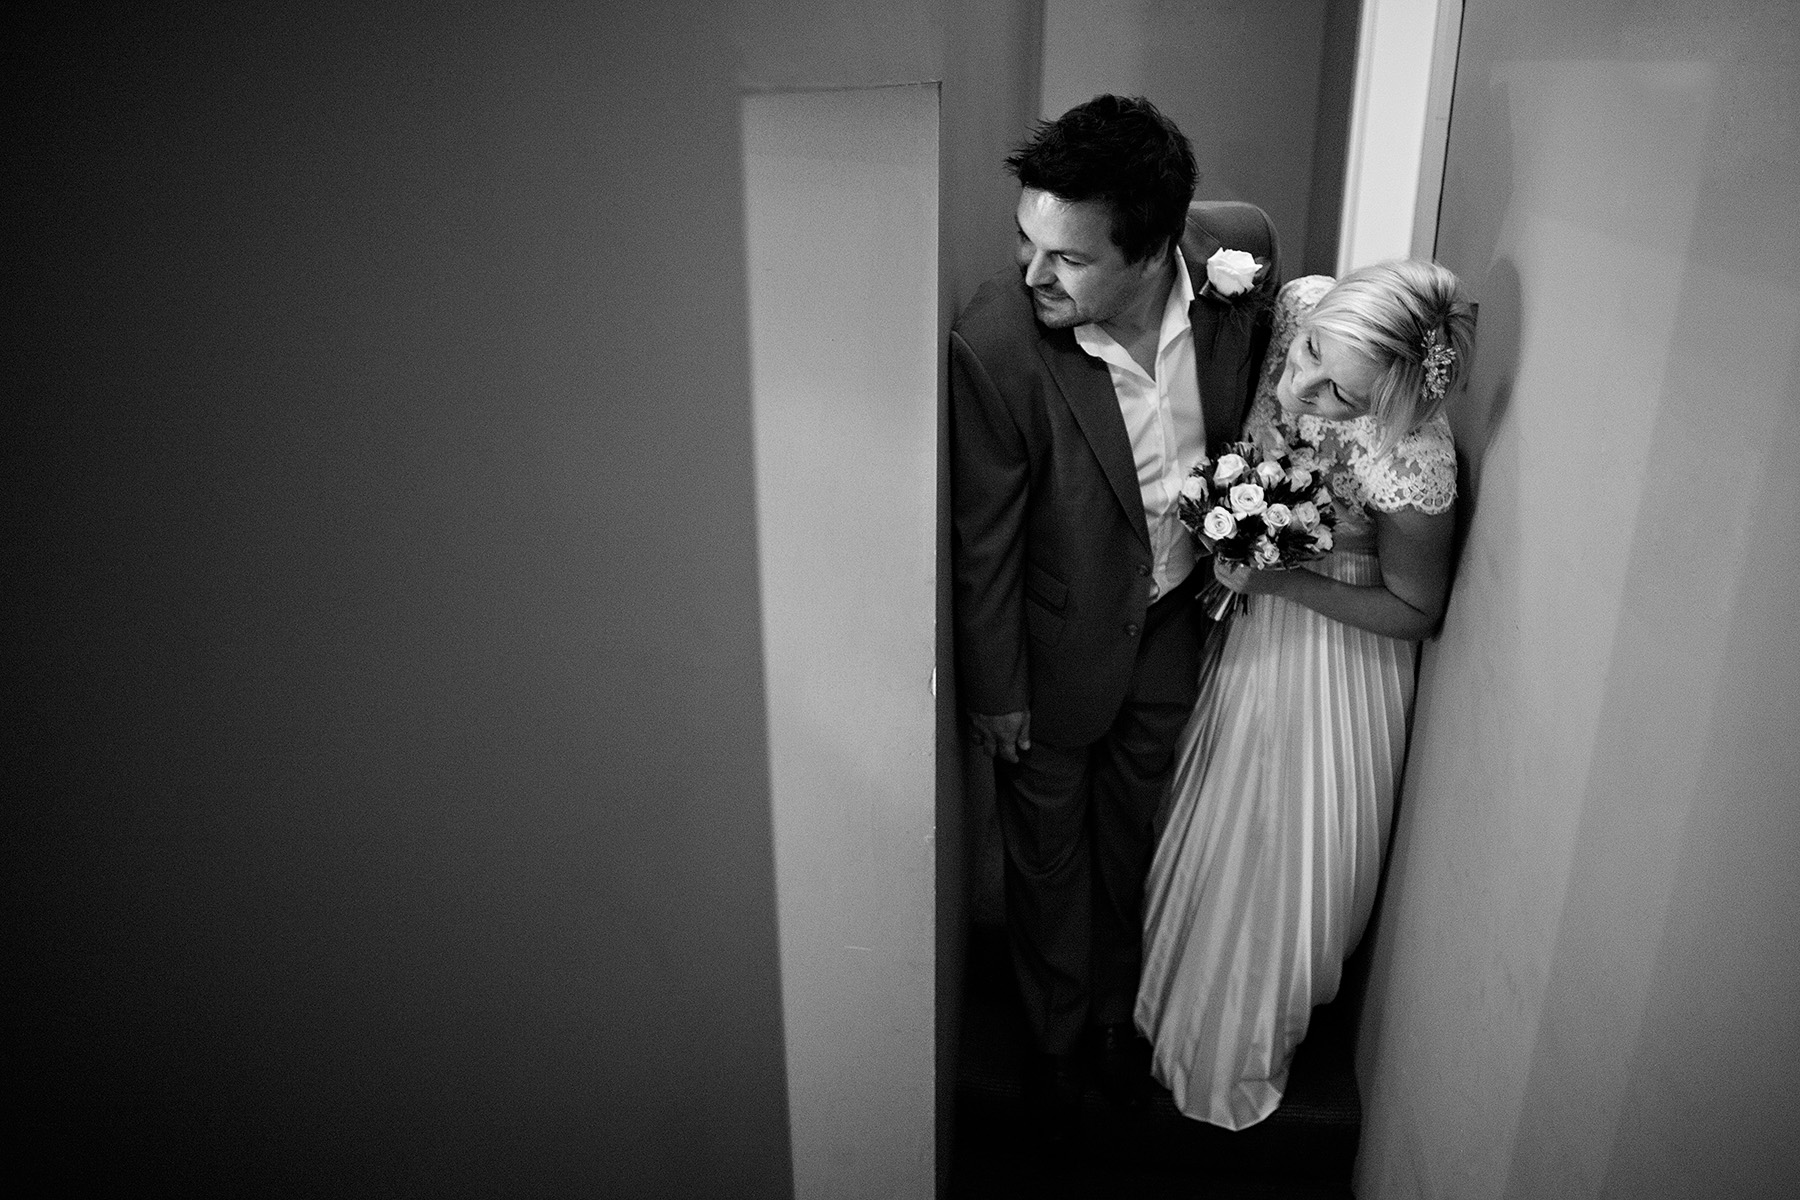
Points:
(1051, 553)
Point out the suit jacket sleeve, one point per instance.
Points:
(990, 476)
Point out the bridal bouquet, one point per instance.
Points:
(1261, 504)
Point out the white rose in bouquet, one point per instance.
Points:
(1306, 515)
(1230, 468)
(1231, 272)
(1264, 554)
(1277, 516)
(1270, 474)
(1247, 500)
(1322, 497)
(1194, 488)
(1219, 525)
(1322, 539)
(1299, 479)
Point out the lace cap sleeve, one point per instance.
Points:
(1420, 472)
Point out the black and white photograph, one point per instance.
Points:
(903, 600)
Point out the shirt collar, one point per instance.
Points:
(1175, 320)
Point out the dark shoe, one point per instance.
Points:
(1121, 1063)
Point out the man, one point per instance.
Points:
(1083, 387)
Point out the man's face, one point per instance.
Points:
(1075, 273)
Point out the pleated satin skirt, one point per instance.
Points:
(1266, 867)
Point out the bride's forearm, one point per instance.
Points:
(1372, 607)
(1413, 549)
(1408, 602)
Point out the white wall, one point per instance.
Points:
(841, 215)
(986, 54)
(1584, 972)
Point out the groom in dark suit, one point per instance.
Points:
(1083, 386)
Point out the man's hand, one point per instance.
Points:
(1003, 735)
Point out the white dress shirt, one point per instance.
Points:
(1162, 418)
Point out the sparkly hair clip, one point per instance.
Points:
(1437, 361)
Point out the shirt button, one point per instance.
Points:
(1131, 630)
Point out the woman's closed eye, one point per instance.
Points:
(1338, 393)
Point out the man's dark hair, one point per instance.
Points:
(1122, 150)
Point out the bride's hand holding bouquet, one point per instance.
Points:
(1260, 508)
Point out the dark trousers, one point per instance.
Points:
(1077, 825)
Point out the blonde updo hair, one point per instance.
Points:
(1389, 314)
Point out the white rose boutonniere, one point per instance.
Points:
(1231, 273)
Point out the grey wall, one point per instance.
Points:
(1243, 79)
(388, 807)
(1331, 141)
(389, 811)
(393, 808)
(1584, 972)
(992, 66)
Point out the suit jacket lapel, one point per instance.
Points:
(1217, 374)
(1086, 385)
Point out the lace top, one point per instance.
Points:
(1419, 472)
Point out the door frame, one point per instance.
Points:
(1399, 129)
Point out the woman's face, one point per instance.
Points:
(1324, 378)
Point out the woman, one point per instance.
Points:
(1285, 776)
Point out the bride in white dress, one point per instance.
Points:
(1284, 780)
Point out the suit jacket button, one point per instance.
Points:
(1142, 570)
(1131, 630)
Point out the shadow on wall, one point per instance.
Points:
(1476, 416)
